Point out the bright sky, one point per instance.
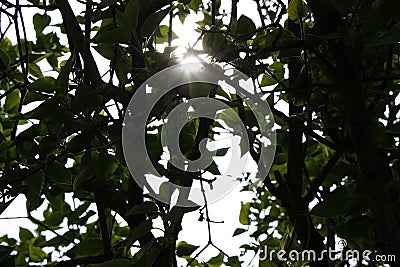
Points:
(194, 232)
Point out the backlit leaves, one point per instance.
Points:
(185, 249)
(297, 9)
(33, 187)
(245, 25)
(244, 213)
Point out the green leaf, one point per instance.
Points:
(278, 69)
(4, 58)
(33, 190)
(25, 234)
(267, 80)
(106, 50)
(297, 9)
(131, 14)
(105, 3)
(146, 207)
(35, 70)
(245, 25)
(244, 213)
(162, 34)
(12, 102)
(87, 247)
(233, 261)
(214, 42)
(266, 263)
(213, 168)
(32, 97)
(61, 84)
(194, 5)
(223, 93)
(80, 142)
(114, 263)
(333, 205)
(87, 170)
(86, 97)
(106, 165)
(138, 232)
(40, 22)
(58, 173)
(43, 84)
(123, 67)
(114, 35)
(185, 249)
(152, 22)
(146, 256)
(239, 231)
(54, 219)
(37, 57)
(216, 261)
(37, 254)
(222, 151)
(187, 137)
(358, 230)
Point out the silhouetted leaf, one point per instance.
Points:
(58, 173)
(333, 205)
(152, 22)
(40, 22)
(138, 232)
(185, 249)
(245, 25)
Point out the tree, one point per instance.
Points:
(335, 64)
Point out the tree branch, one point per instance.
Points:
(306, 129)
(77, 39)
(371, 157)
(105, 236)
(321, 177)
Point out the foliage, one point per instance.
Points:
(334, 64)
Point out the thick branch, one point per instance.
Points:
(78, 41)
(105, 236)
(135, 197)
(306, 129)
(75, 35)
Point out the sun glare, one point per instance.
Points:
(191, 63)
(189, 59)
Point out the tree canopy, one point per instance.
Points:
(334, 65)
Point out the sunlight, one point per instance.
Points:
(191, 63)
(189, 59)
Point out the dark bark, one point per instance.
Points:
(135, 197)
(297, 207)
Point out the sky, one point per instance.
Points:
(194, 232)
